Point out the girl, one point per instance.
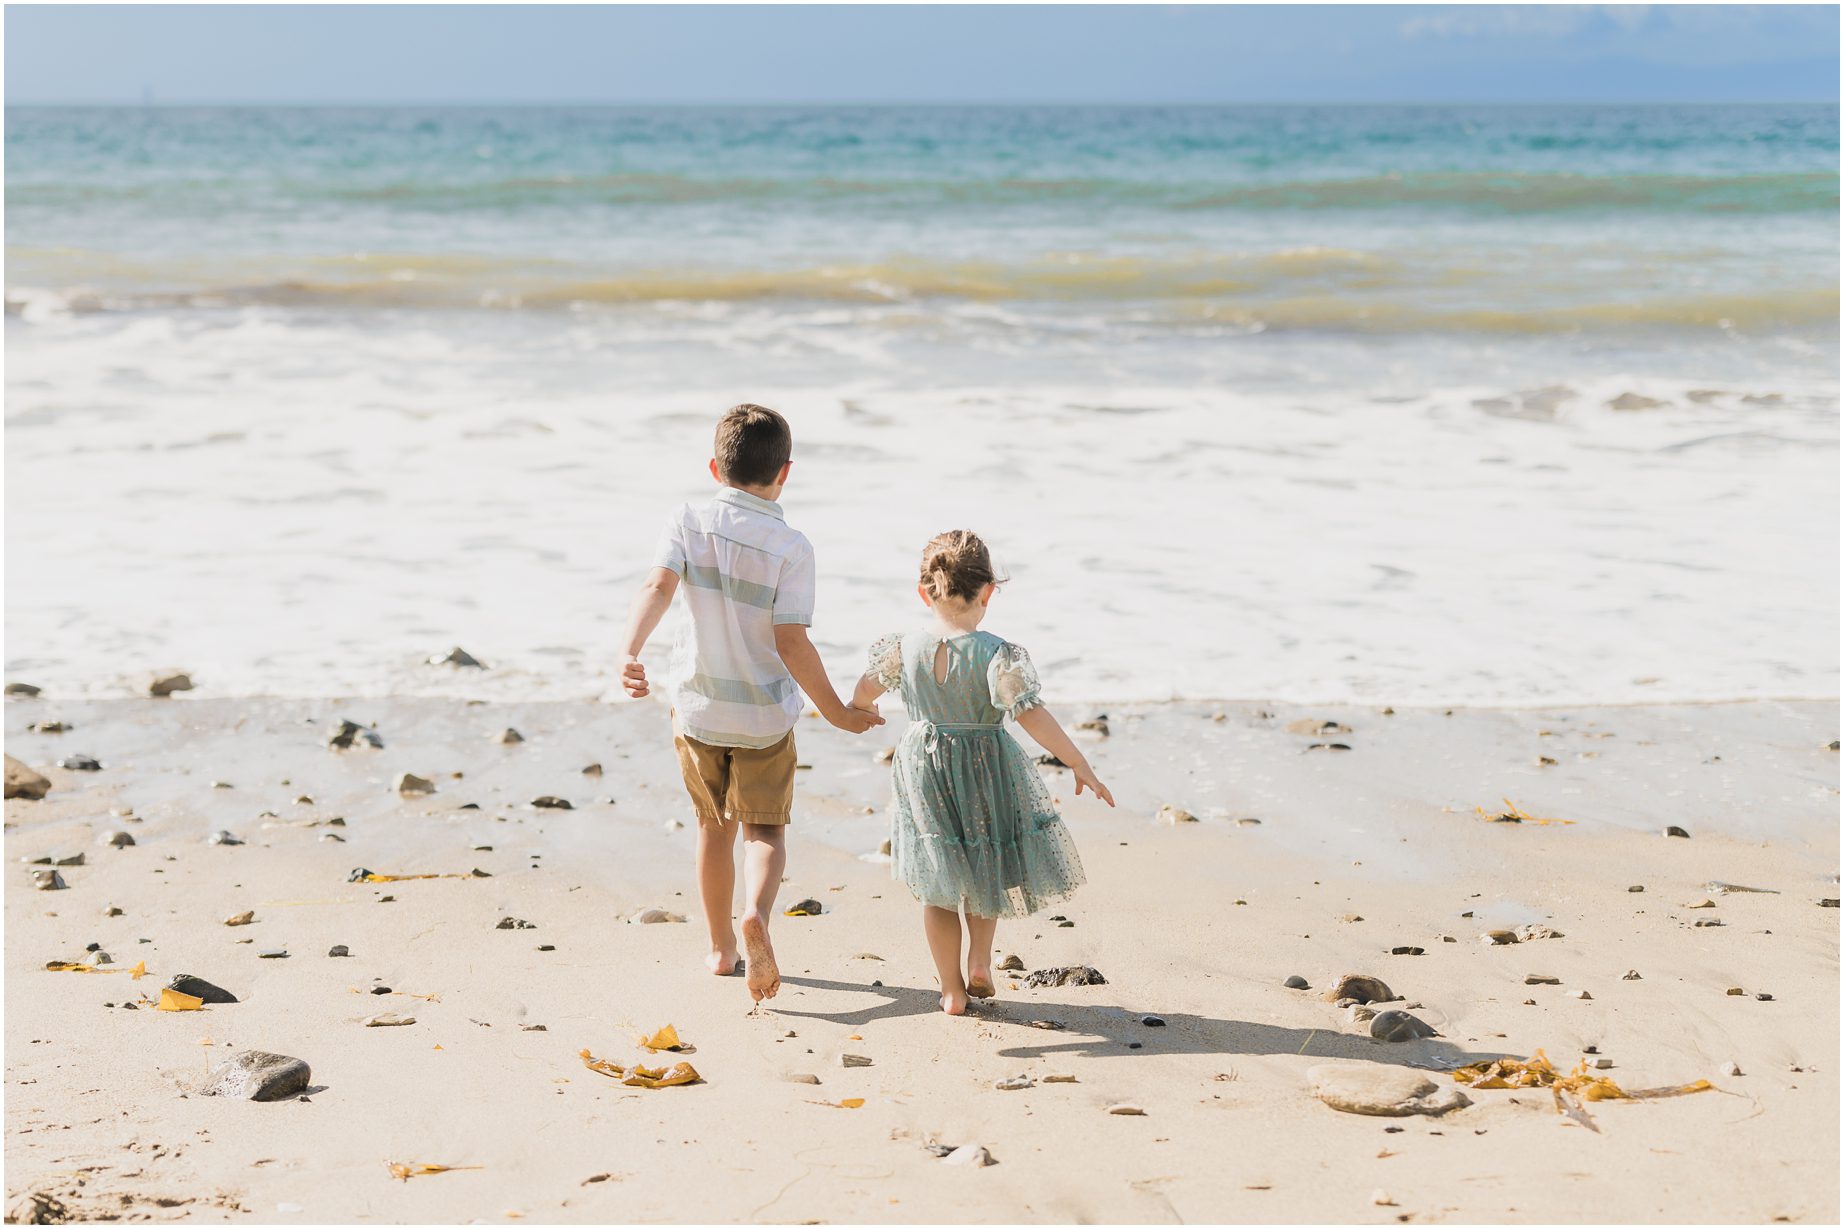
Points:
(973, 828)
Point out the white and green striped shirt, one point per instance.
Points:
(743, 571)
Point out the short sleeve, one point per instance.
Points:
(794, 591)
(669, 553)
(1013, 680)
(887, 662)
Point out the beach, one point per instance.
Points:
(1357, 853)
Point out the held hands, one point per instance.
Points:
(1086, 776)
(855, 720)
(634, 678)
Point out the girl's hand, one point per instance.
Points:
(1086, 776)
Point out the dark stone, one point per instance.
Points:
(22, 782)
(550, 802)
(514, 923)
(1396, 1025)
(27, 689)
(1405, 951)
(1674, 830)
(1011, 963)
(256, 1075)
(351, 734)
(547, 947)
(1296, 982)
(1153, 1021)
(1067, 975)
(48, 727)
(80, 763)
(509, 736)
(199, 988)
(339, 949)
(222, 837)
(810, 907)
(457, 656)
(1360, 988)
(166, 685)
(380, 989)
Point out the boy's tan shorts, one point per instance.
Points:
(749, 785)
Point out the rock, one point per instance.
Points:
(1705, 903)
(1735, 992)
(1011, 964)
(410, 785)
(388, 1019)
(167, 684)
(1541, 979)
(969, 1154)
(1359, 1014)
(1731, 1069)
(1828, 902)
(48, 727)
(199, 988)
(22, 782)
(1296, 982)
(809, 907)
(1633, 401)
(352, 734)
(509, 736)
(1385, 1091)
(27, 689)
(514, 923)
(593, 770)
(223, 837)
(80, 763)
(533, 1028)
(650, 917)
(1763, 997)
(1060, 1077)
(1169, 814)
(115, 839)
(1498, 938)
(1406, 951)
(1580, 994)
(339, 949)
(100, 957)
(37, 1207)
(48, 880)
(456, 656)
(112, 911)
(1674, 830)
(241, 919)
(853, 1060)
(1127, 1110)
(1632, 975)
(1601, 1064)
(1068, 975)
(1707, 921)
(1399, 1026)
(1532, 931)
(1637, 887)
(274, 953)
(1360, 989)
(1153, 1021)
(255, 1075)
(550, 802)
(1382, 1199)
(1316, 726)
(1014, 1083)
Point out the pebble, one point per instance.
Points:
(274, 953)
(48, 880)
(112, 911)
(167, 684)
(80, 763)
(1735, 992)
(1169, 814)
(1701, 904)
(1602, 1064)
(1358, 1013)
(1014, 1083)
(116, 839)
(551, 802)
(1296, 982)
(241, 919)
(256, 1075)
(1386, 1091)
(1674, 830)
(1068, 975)
(1060, 1077)
(1012, 964)
(456, 656)
(592, 770)
(1397, 1025)
(1541, 979)
(1764, 997)
(1829, 902)
(224, 836)
(388, 1019)
(27, 689)
(969, 1154)
(1406, 951)
(1632, 975)
(853, 1060)
(409, 785)
(1127, 1110)
(1248, 821)
(1153, 1021)
(801, 1077)
(1731, 1068)
(1637, 887)
(514, 923)
(100, 957)
(1382, 1199)
(509, 736)
(1708, 921)
(22, 782)
(351, 733)
(1580, 994)
(199, 988)
(1360, 988)
(339, 949)
(809, 906)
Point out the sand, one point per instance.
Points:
(1198, 922)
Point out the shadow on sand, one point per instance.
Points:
(1101, 1030)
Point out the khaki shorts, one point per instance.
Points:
(749, 785)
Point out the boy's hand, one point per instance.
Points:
(634, 678)
(1086, 776)
(857, 720)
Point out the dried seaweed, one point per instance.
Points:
(665, 1039)
(403, 1171)
(643, 1077)
(1538, 1072)
(69, 966)
(361, 875)
(1513, 814)
(849, 1103)
(173, 1000)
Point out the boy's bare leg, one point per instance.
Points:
(942, 926)
(765, 856)
(717, 892)
(980, 932)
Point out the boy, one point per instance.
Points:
(749, 590)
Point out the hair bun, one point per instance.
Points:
(956, 565)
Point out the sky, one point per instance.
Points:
(920, 54)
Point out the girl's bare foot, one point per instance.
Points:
(954, 1003)
(722, 961)
(764, 978)
(979, 984)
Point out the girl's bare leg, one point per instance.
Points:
(980, 932)
(942, 926)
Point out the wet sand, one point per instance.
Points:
(1199, 923)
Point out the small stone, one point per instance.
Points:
(1735, 992)
(1169, 814)
(1358, 1013)
(167, 684)
(222, 785)
(274, 953)
(1829, 902)
(388, 1019)
(1360, 988)
(651, 917)
(1701, 904)
(1069, 975)
(1011, 964)
(1633, 401)
(509, 736)
(199, 988)
(100, 957)
(551, 802)
(409, 785)
(1296, 982)
(592, 770)
(254, 1075)
(853, 1060)
(1127, 1110)
(970, 1155)
(1248, 821)
(547, 947)
(48, 880)
(224, 837)
(1637, 887)
(28, 690)
(22, 782)
(38, 1207)
(241, 919)
(380, 990)
(1405, 951)
(112, 911)
(80, 763)
(1762, 996)
(1601, 1064)
(115, 839)
(533, 1028)
(1707, 921)
(514, 923)
(809, 907)
(49, 727)
(456, 656)
(1674, 830)
(1394, 1026)
(1632, 975)
(1014, 1083)
(352, 734)
(1382, 1090)
(1153, 1021)
(801, 1077)
(339, 949)
(1382, 1199)
(1541, 979)
(1731, 1068)
(1060, 1077)
(1580, 994)
(1316, 726)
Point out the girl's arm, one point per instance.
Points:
(1048, 734)
(865, 694)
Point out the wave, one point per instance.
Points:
(1490, 192)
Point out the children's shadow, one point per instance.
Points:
(1107, 1030)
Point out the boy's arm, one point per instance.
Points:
(803, 662)
(650, 606)
(1048, 733)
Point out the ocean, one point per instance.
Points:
(1400, 405)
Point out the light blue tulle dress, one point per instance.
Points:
(971, 823)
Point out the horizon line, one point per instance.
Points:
(176, 103)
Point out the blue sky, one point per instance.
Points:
(871, 53)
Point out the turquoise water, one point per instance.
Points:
(1486, 221)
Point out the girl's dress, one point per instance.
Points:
(972, 824)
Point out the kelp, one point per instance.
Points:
(643, 1077)
(849, 1103)
(1513, 814)
(174, 1000)
(70, 966)
(1538, 1072)
(665, 1039)
(361, 875)
(403, 1171)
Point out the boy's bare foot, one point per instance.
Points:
(722, 962)
(954, 1003)
(763, 977)
(979, 983)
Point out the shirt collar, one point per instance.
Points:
(755, 503)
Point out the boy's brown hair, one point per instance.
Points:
(753, 443)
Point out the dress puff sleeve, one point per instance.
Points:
(887, 662)
(1013, 680)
